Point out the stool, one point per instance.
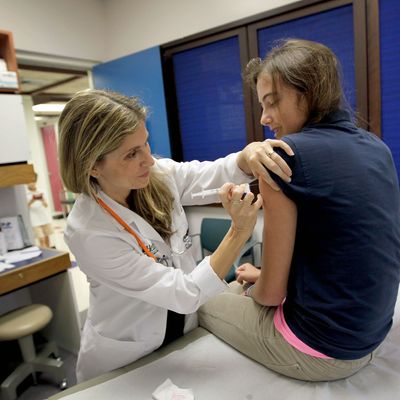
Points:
(20, 325)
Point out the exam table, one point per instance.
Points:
(214, 370)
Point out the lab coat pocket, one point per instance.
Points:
(99, 354)
(180, 240)
(181, 245)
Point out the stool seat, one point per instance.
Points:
(24, 321)
(21, 324)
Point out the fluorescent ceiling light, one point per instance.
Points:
(48, 107)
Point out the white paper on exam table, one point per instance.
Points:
(169, 391)
(216, 371)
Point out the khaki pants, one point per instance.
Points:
(249, 328)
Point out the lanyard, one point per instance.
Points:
(126, 227)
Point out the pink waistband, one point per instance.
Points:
(283, 328)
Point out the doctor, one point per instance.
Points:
(129, 233)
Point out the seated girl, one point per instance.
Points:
(324, 298)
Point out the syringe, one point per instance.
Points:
(205, 194)
(213, 193)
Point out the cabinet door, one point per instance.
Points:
(333, 27)
(389, 17)
(208, 97)
(14, 147)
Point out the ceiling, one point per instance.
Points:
(49, 85)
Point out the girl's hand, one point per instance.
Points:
(257, 157)
(247, 273)
(240, 206)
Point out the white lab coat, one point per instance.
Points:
(129, 292)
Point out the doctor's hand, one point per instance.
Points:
(257, 157)
(247, 273)
(241, 206)
(243, 212)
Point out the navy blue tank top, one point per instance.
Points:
(345, 270)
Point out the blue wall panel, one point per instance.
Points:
(210, 100)
(140, 74)
(389, 13)
(334, 28)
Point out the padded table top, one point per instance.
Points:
(214, 370)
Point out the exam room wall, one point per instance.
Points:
(104, 30)
(136, 25)
(67, 28)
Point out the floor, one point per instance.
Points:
(46, 387)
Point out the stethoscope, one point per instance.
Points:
(148, 250)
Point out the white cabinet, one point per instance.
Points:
(14, 146)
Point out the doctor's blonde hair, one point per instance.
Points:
(93, 124)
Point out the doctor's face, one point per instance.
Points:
(284, 111)
(127, 167)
